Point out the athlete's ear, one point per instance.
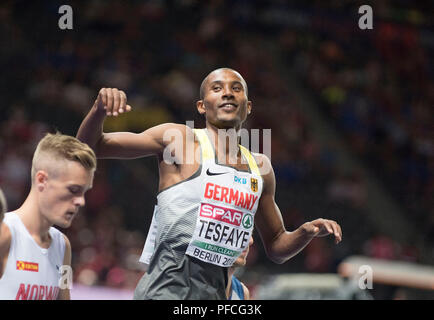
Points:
(249, 107)
(41, 179)
(200, 107)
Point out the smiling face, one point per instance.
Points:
(224, 99)
(61, 192)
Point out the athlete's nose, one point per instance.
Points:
(227, 92)
(79, 201)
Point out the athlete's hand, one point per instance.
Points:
(323, 227)
(113, 101)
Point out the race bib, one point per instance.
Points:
(221, 234)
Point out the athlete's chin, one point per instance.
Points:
(228, 122)
(64, 223)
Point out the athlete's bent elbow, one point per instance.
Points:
(276, 258)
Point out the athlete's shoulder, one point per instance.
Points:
(61, 236)
(263, 162)
(259, 157)
(60, 239)
(267, 173)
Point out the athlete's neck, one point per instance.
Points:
(37, 225)
(225, 141)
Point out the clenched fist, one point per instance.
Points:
(113, 101)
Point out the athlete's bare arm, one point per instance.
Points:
(159, 140)
(64, 294)
(5, 243)
(280, 244)
(122, 145)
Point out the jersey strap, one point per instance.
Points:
(250, 160)
(208, 151)
(205, 144)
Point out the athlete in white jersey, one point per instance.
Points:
(35, 256)
(205, 215)
(31, 272)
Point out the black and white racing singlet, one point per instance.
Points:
(202, 225)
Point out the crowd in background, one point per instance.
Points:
(382, 104)
(377, 88)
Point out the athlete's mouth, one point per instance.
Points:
(228, 105)
(70, 214)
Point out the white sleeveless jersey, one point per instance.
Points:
(227, 200)
(199, 228)
(31, 272)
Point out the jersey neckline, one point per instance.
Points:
(225, 165)
(43, 250)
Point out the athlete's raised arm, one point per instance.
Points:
(122, 145)
(280, 244)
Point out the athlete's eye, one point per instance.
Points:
(237, 88)
(216, 88)
(74, 190)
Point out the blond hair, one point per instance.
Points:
(61, 147)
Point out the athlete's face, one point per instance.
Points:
(225, 103)
(242, 258)
(62, 194)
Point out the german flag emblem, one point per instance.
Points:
(27, 266)
(254, 184)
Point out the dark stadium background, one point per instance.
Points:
(351, 113)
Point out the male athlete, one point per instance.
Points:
(211, 190)
(32, 251)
